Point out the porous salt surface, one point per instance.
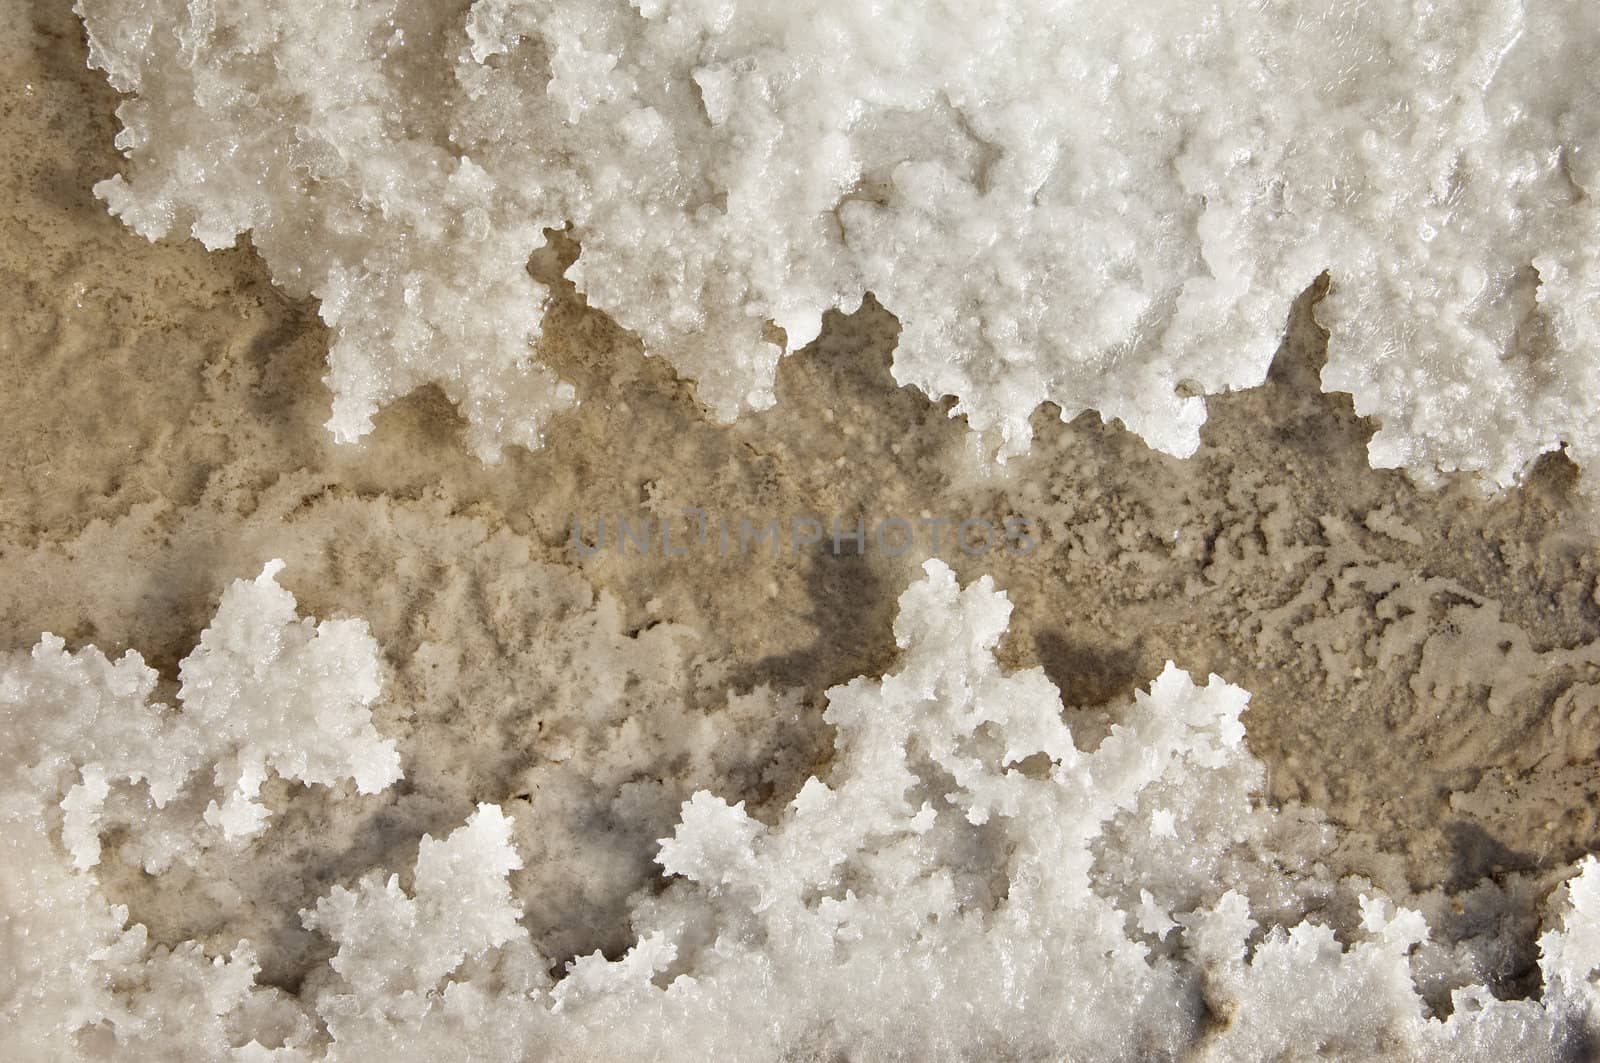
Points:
(263, 693)
(1105, 206)
(943, 894)
(1422, 665)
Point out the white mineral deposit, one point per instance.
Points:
(726, 529)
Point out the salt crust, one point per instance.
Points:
(945, 894)
(1102, 205)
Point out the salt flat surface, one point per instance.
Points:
(1102, 206)
(1420, 731)
(932, 897)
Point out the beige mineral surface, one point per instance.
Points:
(1424, 664)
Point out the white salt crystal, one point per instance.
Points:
(264, 691)
(928, 901)
(1100, 205)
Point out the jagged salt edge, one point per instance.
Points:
(1050, 218)
(743, 954)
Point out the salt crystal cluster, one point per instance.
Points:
(968, 882)
(264, 693)
(84, 750)
(1105, 206)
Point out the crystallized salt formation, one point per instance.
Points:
(1105, 206)
(263, 692)
(967, 883)
(84, 750)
